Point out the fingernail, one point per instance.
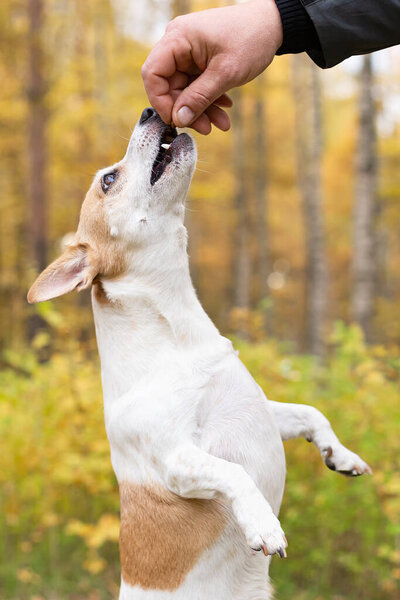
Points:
(185, 116)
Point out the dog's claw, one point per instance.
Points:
(265, 549)
(281, 551)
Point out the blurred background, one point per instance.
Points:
(294, 223)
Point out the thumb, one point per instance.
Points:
(198, 96)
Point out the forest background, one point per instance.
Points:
(294, 223)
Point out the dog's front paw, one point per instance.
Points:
(271, 541)
(340, 459)
(261, 527)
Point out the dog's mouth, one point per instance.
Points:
(165, 153)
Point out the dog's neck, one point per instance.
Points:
(145, 315)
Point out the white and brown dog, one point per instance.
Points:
(195, 445)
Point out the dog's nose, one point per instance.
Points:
(146, 114)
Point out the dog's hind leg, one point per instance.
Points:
(300, 420)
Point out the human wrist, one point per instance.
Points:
(269, 14)
(299, 34)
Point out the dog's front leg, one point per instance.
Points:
(300, 420)
(192, 473)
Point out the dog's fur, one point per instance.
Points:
(195, 445)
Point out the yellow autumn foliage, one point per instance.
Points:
(59, 499)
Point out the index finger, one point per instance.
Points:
(161, 64)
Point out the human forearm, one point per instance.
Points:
(332, 30)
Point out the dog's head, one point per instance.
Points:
(129, 207)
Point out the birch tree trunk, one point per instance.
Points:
(242, 266)
(36, 223)
(307, 98)
(37, 144)
(180, 7)
(260, 195)
(366, 206)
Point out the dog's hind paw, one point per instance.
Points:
(340, 459)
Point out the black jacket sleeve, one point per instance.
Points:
(332, 30)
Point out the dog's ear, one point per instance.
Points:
(72, 270)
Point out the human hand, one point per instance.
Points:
(203, 55)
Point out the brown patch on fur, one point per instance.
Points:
(99, 293)
(162, 535)
(94, 254)
(107, 254)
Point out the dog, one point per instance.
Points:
(195, 445)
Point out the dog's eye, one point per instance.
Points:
(108, 180)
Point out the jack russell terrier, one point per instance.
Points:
(195, 445)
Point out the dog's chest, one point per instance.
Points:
(149, 421)
(135, 432)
